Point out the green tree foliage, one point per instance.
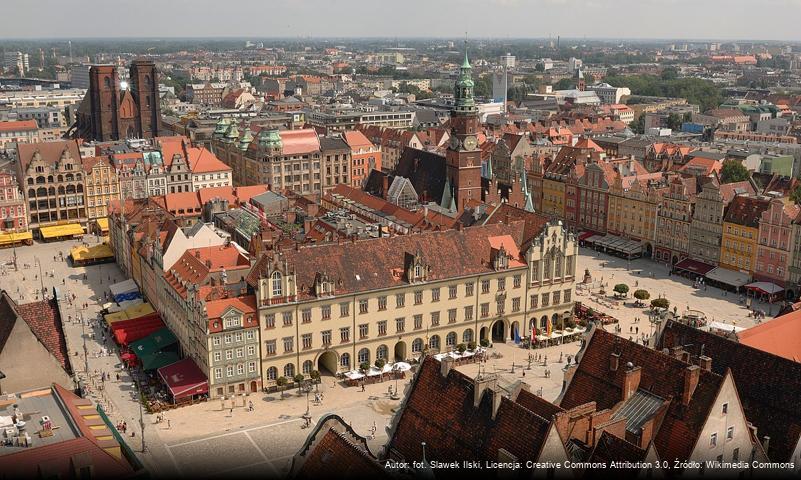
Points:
(621, 289)
(564, 84)
(660, 303)
(733, 171)
(379, 363)
(281, 382)
(674, 121)
(696, 91)
(642, 294)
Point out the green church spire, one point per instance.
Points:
(463, 89)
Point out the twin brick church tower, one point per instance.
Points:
(115, 110)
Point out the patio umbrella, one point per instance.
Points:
(401, 367)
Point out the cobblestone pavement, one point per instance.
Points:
(206, 439)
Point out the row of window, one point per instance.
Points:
(229, 370)
(233, 337)
(240, 353)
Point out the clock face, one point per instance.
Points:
(470, 143)
(454, 142)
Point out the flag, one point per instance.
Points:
(550, 326)
(533, 334)
(516, 335)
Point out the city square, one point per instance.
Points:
(268, 436)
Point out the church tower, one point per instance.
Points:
(463, 158)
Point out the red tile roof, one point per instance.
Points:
(768, 385)
(781, 336)
(50, 151)
(45, 322)
(746, 211)
(19, 125)
(298, 142)
(195, 265)
(203, 161)
(661, 375)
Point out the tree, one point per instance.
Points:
(379, 363)
(364, 366)
(638, 126)
(670, 73)
(298, 378)
(281, 382)
(484, 342)
(733, 171)
(564, 84)
(642, 294)
(796, 195)
(471, 345)
(674, 121)
(621, 289)
(540, 67)
(461, 348)
(660, 303)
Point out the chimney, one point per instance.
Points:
(677, 352)
(480, 384)
(705, 363)
(691, 375)
(631, 381)
(614, 362)
(385, 187)
(765, 443)
(445, 366)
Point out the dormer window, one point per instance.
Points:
(415, 268)
(500, 258)
(323, 285)
(276, 284)
(418, 271)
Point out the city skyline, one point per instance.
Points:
(511, 19)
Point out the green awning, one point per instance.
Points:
(159, 359)
(153, 343)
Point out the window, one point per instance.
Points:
(216, 341)
(450, 339)
(568, 293)
(217, 373)
(269, 347)
(251, 350)
(251, 367)
(269, 320)
(382, 303)
(289, 370)
(417, 345)
(467, 336)
(272, 373)
(546, 299)
(729, 433)
(452, 315)
(363, 330)
(725, 408)
(306, 315)
(418, 297)
(240, 352)
(435, 294)
(517, 279)
(289, 344)
(363, 306)
(238, 336)
(468, 289)
(452, 291)
(434, 342)
(344, 334)
(251, 335)
(228, 338)
(217, 356)
(516, 304)
(344, 360)
(240, 369)
(418, 322)
(557, 298)
(382, 352)
(344, 309)
(484, 310)
(287, 316)
(713, 440)
(326, 334)
(364, 356)
(400, 300)
(735, 455)
(501, 284)
(485, 286)
(229, 371)
(306, 338)
(400, 325)
(468, 313)
(382, 328)
(276, 281)
(232, 322)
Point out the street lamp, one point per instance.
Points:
(142, 423)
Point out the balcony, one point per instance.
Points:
(277, 300)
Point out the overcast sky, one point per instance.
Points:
(694, 19)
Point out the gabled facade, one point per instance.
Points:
(706, 227)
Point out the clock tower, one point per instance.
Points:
(463, 158)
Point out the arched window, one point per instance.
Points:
(450, 340)
(49, 179)
(289, 370)
(61, 190)
(41, 192)
(70, 189)
(418, 271)
(61, 178)
(344, 360)
(78, 176)
(51, 191)
(467, 336)
(276, 284)
(417, 345)
(434, 342)
(70, 177)
(80, 188)
(31, 192)
(30, 181)
(40, 180)
(382, 352)
(107, 82)
(364, 356)
(308, 366)
(272, 373)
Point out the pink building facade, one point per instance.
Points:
(773, 244)
(13, 214)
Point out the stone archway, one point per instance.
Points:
(327, 363)
(675, 260)
(499, 331)
(400, 351)
(515, 331)
(482, 334)
(544, 323)
(648, 250)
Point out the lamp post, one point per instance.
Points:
(142, 423)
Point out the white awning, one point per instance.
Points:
(766, 287)
(729, 277)
(725, 327)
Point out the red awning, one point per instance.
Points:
(694, 266)
(585, 235)
(184, 379)
(128, 331)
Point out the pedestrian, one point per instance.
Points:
(168, 423)
(231, 412)
(250, 405)
(362, 386)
